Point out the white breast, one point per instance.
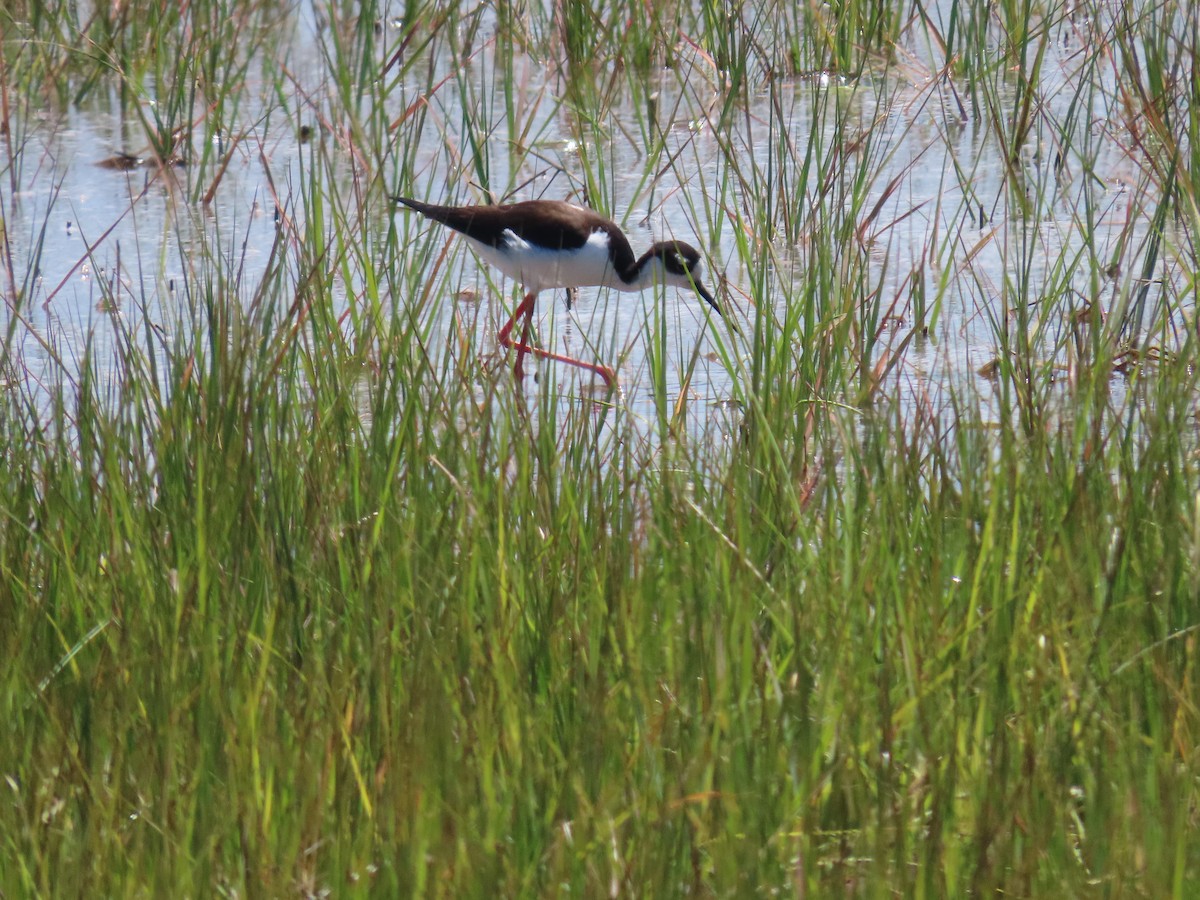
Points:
(540, 269)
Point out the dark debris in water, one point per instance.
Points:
(989, 370)
(127, 162)
(121, 162)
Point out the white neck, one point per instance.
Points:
(647, 276)
(650, 274)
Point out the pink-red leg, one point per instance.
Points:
(523, 346)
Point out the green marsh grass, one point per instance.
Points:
(892, 591)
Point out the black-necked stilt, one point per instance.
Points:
(547, 244)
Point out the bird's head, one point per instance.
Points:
(680, 265)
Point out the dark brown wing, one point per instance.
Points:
(547, 223)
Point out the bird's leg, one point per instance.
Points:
(523, 346)
(505, 336)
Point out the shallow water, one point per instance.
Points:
(81, 226)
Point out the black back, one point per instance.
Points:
(547, 223)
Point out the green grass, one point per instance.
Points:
(302, 597)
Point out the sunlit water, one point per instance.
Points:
(135, 236)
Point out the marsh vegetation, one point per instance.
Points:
(891, 591)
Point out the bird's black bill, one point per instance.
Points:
(708, 298)
(711, 301)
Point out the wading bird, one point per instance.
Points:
(545, 244)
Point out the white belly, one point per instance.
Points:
(539, 269)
